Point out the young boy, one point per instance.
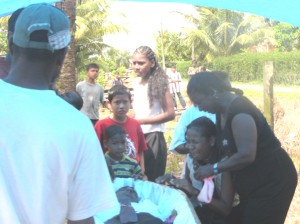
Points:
(117, 79)
(122, 166)
(92, 93)
(119, 101)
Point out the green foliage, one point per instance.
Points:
(248, 67)
(222, 32)
(287, 36)
(3, 35)
(174, 46)
(92, 24)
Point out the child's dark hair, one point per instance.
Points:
(208, 83)
(118, 90)
(158, 80)
(113, 130)
(92, 65)
(73, 98)
(204, 124)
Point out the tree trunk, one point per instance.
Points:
(68, 78)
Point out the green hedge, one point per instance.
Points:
(248, 67)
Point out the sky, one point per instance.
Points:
(143, 20)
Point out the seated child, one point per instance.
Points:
(121, 165)
(119, 98)
(200, 140)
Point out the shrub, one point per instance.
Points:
(248, 67)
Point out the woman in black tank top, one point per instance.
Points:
(264, 176)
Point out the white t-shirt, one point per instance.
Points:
(142, 107)
(174, 86)
(51, 163)
(92, 95)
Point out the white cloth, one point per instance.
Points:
(161, 201)
(174, 86)
(142, 108)
(51, 163)
(92, 95)
(207, 191)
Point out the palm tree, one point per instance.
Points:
(92, 24)
(221, 32)
(89, 23)
(67, 79)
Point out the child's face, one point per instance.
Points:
(199, 147)
(120, 105)
(141, 65)
(116, 146)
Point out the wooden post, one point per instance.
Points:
(268, 71)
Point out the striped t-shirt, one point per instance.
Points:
(126, 167)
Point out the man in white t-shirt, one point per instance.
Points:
(174, 83)
(52, 165)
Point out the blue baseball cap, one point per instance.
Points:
(38, 17)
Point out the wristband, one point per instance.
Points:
(215, 168)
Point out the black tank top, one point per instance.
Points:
(267, 143)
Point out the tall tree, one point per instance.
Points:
(67, 79)
(221, 32)
(287, 37)
(92, 23)
(3, 35)
(175, 48)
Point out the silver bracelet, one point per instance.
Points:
(215, 168)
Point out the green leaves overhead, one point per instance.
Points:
(92, 24)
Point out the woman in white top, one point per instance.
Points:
(153, 107)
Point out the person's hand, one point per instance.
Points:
(183, 185)
(140, 176)
(204, 171)
(165, 179)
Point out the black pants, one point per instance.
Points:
(156, 155)
(275, 181)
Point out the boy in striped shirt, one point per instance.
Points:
(122, 166)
